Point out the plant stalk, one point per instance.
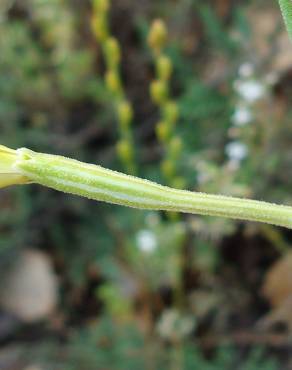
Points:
(98, 183)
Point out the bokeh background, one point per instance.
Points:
(205, 104)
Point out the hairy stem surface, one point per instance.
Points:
(98, 183)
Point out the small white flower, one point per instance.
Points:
(236, 150)
(246, 70)
(146, 241)
(250, 90)
(241, 116)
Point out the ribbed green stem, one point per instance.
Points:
(95, 182)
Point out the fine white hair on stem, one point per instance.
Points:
(98, 183)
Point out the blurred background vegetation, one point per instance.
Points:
(189, 93)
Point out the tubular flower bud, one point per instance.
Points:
(9, 175)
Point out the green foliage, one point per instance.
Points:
(215, 31)
(54, 98)
(108, 345)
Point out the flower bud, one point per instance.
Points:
(162, 131)
(171, 112)
(164, 68)
(125, 151)
(113, 82)
(157, 36)
(125, 114)
(99, 27)
(158, 91)
(101, 6)
(175, 147)
(112, 52)
(168, 168)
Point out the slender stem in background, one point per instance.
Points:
(286, 8)
(96, 182)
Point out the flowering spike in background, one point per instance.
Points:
(111, 50)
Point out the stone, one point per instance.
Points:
(29, 290)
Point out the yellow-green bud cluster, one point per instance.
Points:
(125, 114)
(157, 37)
(164, 68)
(113, 82)
(112, 55)
(101, 6)
(159, 92)
(99, 20)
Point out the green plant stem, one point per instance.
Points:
(96, 182)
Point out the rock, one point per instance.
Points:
(29, 288)
(277, 285)
(277, 289)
